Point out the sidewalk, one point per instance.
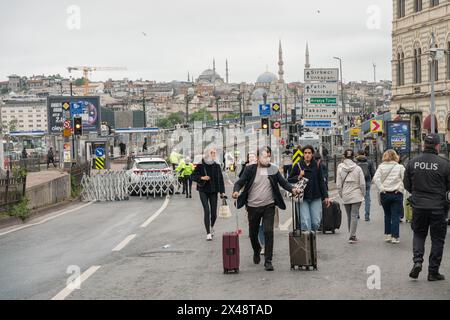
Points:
(44, 176)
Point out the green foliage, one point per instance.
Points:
(4, 91)
(231, 116)
(170, 121)
(20, 210)
(13, 125)
(18, 172)
(201, 115)
(75, 190)
(79, 82)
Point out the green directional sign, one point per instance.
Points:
(314, 100)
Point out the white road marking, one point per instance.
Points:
(68, 290)
(47, 219)
(285, 226)
(122, 245)
(156, 214)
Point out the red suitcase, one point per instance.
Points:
(230, 251)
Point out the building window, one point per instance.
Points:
(434, 3)
(448, 60)
(417, 65)
(400, 8)
(400, 69)
(417, 5)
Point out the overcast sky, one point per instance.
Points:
(185, 35)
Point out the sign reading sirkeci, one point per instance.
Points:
(324, 74)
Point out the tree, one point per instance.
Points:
(171, 120)
(13, 125)
(231, 116)
(79, 82)
(4, 91)
(201, 115)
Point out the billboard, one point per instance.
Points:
(60, 108)
(398, 135)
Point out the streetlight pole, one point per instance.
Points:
(344, 120)
(217, 111)
(240, 108)
(433, 75)
(143, 105)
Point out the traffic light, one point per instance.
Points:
(265, 124)
(77, 126)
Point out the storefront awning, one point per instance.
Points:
(427, 123)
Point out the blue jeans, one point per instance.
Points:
(392, 205)
(367, 200)
(310, 212)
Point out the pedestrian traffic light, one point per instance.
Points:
(77, 126)
(265, 124)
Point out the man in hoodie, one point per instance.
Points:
(260, 195)
(352, 187)
(369, 171)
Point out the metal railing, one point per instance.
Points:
(12, 190)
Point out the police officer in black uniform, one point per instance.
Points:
(427, 178)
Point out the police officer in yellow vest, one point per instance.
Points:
(185, 169)
(174, 158)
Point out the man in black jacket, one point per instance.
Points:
(369, 171)
(260, 195)
(427, 178)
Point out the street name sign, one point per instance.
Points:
(322, 74)
(321, 100)
(328, 113)
(318, 123)
(324, 89)
(264, 110)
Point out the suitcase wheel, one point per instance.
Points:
(334, 231)
(237, 270)
(292, 267)
(225, 271)
(315, 267)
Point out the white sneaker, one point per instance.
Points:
(209, 237)
(387, 238)
(395, 240)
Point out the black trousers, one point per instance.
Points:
(267, 214)
(435, 221)
(209, 202)
(187, 185)
(52, 160)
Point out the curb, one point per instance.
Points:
(7, 222)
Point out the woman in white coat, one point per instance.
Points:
(352, 188)
(389, 181)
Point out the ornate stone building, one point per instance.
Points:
(413, 23)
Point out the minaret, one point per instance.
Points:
(280, 64)
(226, 62)
(307, 65)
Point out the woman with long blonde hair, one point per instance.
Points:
(389, 181)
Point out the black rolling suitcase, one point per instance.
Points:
(331, 218)
(302, 246)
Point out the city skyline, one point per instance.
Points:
(164, 41)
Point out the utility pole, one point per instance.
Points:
(143, 105)
(433, 52)
(374, 72)
(240, 108)
(344, 120)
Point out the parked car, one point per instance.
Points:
(155, 171)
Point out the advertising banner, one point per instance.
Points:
(399, 136)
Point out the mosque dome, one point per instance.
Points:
(267, 77)
(209, 76)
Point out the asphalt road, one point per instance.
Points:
(170, 258)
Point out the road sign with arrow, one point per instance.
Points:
(324, 74)
(324, 89)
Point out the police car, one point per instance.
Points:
(154, 169)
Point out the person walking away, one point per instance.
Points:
(50, 158)
(352, 187)
(187, 179)
(323, 166)
(180, 170)
(209, 178)
(389, 181)
(369, 171)
(315, 191)
(260, 195)
(427, 178)
(123, 148)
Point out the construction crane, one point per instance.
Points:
(86, 71)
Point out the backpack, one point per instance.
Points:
(365, 168)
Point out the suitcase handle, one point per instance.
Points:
(238, 231)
